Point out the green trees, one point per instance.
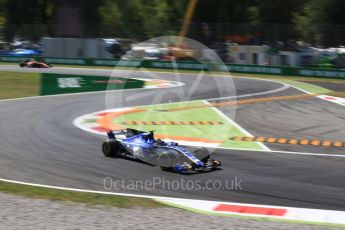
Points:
(2, 15)
(111, 18)
(139, 19)
(321, 22)
(26, 18)
(273, 18)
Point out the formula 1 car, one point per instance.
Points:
(34, 64)
(141, 145)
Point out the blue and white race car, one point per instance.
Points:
(141, 145)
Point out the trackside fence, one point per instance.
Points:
(188, 65)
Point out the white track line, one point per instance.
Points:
(179, 84)
(285, 152)
(284, 87)
(83, 190)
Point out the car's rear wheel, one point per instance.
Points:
(111, 148)
(202, 154)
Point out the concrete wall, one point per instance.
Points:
(74, 48)
(256, 55)
(288, 58)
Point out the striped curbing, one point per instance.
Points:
(171, 123)
(291, 141)
(267, 212)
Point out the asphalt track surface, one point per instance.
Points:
(39, 144)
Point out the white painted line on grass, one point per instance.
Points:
(245, 132)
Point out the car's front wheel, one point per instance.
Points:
(202, 154)
(111, 148)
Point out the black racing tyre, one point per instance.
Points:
(164, 161)
(111, 148)
(202, 154)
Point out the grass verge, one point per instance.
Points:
(337, 94)
(77, 197)
(19, 84)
